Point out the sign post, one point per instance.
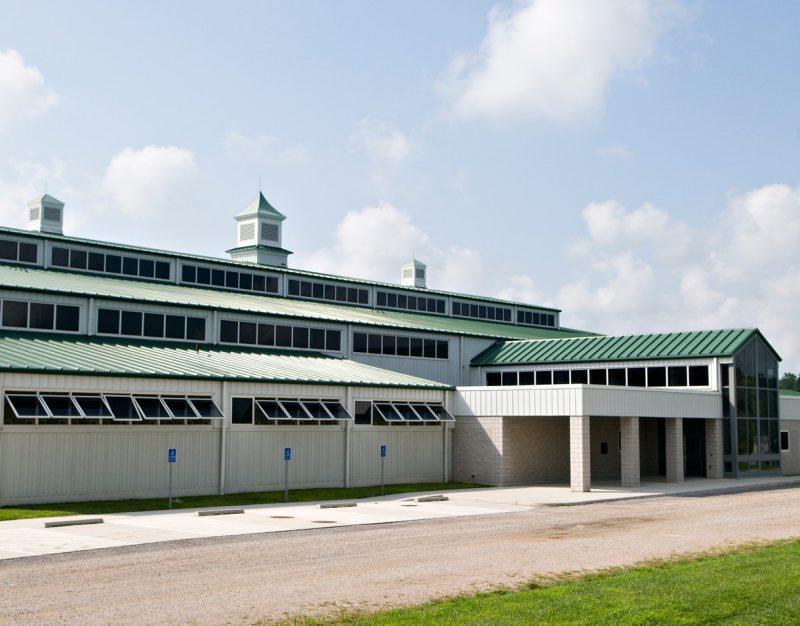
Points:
(287, 456)
(383, 462)
(172, 456)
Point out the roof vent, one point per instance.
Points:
(46, 214)
(259, 237)
(413, 274)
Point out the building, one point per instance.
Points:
(111, 354)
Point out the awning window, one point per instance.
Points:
(118, 407)
(388, 412)
(285, 409)
(404, 412)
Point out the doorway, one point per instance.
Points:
(694, 447)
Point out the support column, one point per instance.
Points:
(580, 467)
(629, 455)
(674, 444)
(714, 448)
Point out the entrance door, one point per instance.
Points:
(694, 447)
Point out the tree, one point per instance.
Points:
(789, 381)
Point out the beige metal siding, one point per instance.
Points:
(61, 464)
(414, 454)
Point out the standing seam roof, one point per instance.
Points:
(691, 344)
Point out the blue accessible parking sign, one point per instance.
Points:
(383, 451)
(287, 454)
(172, 455)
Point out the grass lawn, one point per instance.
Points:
(189, 502)
(755, 585)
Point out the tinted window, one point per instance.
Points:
(527, 378)
(544, 377)
(300, 338)
(28, 252)
(656, 376)
(175, 327)
(108, 322)
(113, 264)
(67, 317)
(283, 336)
(597, 377)
(218, 278)
(130, 266)
(579, 377)
(203, 276)
(153, 325)
(317, 339)
(242, 411)
(333, 340)
(15, 314)
(97, 262)
(698, 375)
(228, 331)
(131, 323)
(77, 259)
(196, 328)
(266, 335)
(493, 379)
(147, 268)
(42, 316)
(561, 377)
(508, 378)
(60, 257)
(616, 376)
(247, 332)
(162, 270)
(8, 250)
(636, 377)
(677, 376)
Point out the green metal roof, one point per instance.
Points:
(680, 345)
(51, 354)
(260, 206)
(260, 247)
(71, 283)
(285, 270)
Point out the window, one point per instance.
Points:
(394, 300)
(20, 251)
(93, 261)
(40, 316)
(268, 411)
(400, 413)
(597, 377)
(616, 376)
(784, 440)
(323, 291)
(656, 376)
(698, 376)
(544, 377)
(151, 325)
(508, 379)
(493, 379)
(393, 345)
(579, 377)
(636, 377)
(481, 311)
(299, 337)
(535, 318)
(527, 378)
(677, 376)
(561, 377)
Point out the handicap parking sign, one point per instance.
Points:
(172, 455)
(287, 454)
(383, 451)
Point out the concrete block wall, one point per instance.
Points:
(536, 450)
(790, 459)
(629, 431)
(674, 441)
(478, 449)
(714, 451)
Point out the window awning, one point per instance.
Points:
(414, 412)
(117, 407)
(286, 409)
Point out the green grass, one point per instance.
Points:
(754, 585)
(190, 502)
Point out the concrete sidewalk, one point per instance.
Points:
(21, 538)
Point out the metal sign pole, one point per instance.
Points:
(383, 459)
(287, 456)
(172, 456)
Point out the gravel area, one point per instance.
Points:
(248, 578)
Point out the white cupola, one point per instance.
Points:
(259, 236)
(413, 274)
(46, 214)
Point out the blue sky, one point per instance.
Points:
(633, 163)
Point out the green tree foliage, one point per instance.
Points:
(790, 381)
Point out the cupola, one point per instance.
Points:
(259, 234)
(46, 214)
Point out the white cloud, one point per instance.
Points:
(23, 92)
(741, 273)
(382, 142)
(554, 59)
(148, 180)
(376, 241)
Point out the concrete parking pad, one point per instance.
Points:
(22, 538)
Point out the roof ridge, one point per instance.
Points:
(663, 332)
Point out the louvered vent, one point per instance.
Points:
(247, 231)
(35, 212)
(269, 232)
(52, 214)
